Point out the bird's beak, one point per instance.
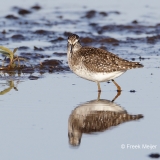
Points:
(71, 50)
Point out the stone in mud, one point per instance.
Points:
(135, 22)
(87, 40)
(23, 12)
(18, 37)
(154, 155)
(132, 91)
(4, 32)
(38, 49)
(93, 24)
(41, 32)
(10, 16)
(33, 77)
(36, 7)
(90, 14)
(103, 14)
(133, 59)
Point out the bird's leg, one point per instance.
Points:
(99, 94)
(117, 95)
(118, 87)
(99, 88)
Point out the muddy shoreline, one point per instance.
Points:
(26, 25)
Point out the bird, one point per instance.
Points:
(95, 64)
(96, 116)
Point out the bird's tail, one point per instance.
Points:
(137, 65)
(131, 65)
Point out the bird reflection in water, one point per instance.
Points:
(96, 116)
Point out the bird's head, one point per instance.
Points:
(72, 41)
(75, 138)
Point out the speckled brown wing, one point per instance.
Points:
(98, 121)
(99, 60)
(102, 120)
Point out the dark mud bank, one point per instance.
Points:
(42, 39)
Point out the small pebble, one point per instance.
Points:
(132, 91)
(154, 155)
(33, 77)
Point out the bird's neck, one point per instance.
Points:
(72, 57)
(76, 47)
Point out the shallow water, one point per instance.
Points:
(34, 119)
(34, 114)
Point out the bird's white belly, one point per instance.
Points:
(98, 76)
(98, 105)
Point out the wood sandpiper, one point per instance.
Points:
(96, 64)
